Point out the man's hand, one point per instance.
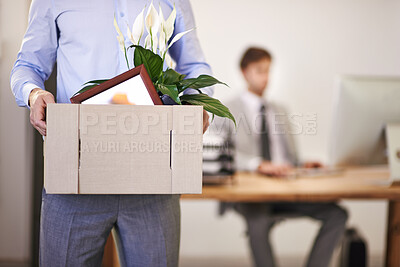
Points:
(206, 122)
(270, 169)
(38, 100)
(312, 164)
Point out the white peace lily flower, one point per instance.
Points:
(161, 15)
(129, 33)
(169, 24)
(121, 42)
(155, 44)
(162, 43)
(167, 29)
(120, 37)
(159, 43)
(169, 61)
(137, 29)
(151, 43)
(147, 42)
(152, 22)
(178, 37)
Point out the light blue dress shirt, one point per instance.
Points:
(81, 37)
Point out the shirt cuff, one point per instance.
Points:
(26, 90)
(254, 163)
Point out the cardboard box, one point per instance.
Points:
(122, 149)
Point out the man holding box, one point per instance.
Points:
(80, 36)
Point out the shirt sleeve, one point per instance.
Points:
(246, 162)
(187, 52)
(37, 55)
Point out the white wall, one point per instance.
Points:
(15, 144)
(312, 42)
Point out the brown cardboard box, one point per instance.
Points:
(122, 149)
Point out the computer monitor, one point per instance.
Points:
(364, 105)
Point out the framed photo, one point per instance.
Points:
(133, 87)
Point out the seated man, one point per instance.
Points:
(261, 146)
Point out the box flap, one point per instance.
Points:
(187, 157)
(61, 149)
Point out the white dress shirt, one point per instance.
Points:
(252, 104)
(81, 37)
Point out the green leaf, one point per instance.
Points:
(96, 82)
(90, 85)
(210, 104)
(200, 82)
(170, 76)
(180, 88)
(85, 89)
(151, 61)
(170, 90)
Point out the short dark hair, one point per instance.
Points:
(254, 54)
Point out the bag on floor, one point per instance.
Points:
(354, 250)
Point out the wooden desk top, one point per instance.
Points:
(352, 183)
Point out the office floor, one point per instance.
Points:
(293, 261)
(376, 261)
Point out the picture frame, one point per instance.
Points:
(118, 90)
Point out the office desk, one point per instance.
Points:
(353, 183)
(362, 183)
(365, 183)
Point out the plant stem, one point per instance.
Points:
(126, 58)
(151, 41)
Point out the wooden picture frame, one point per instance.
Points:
(124, 77)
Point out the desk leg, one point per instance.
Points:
(393, 235)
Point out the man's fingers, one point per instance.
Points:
(41, 126)
(206, 122)
(205, 126)
(38, 123)
(284, 170)
(38, 117)
(275, 171)
(38, 100)
(42, 132)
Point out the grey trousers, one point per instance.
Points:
(74, 229)
(260, 217)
